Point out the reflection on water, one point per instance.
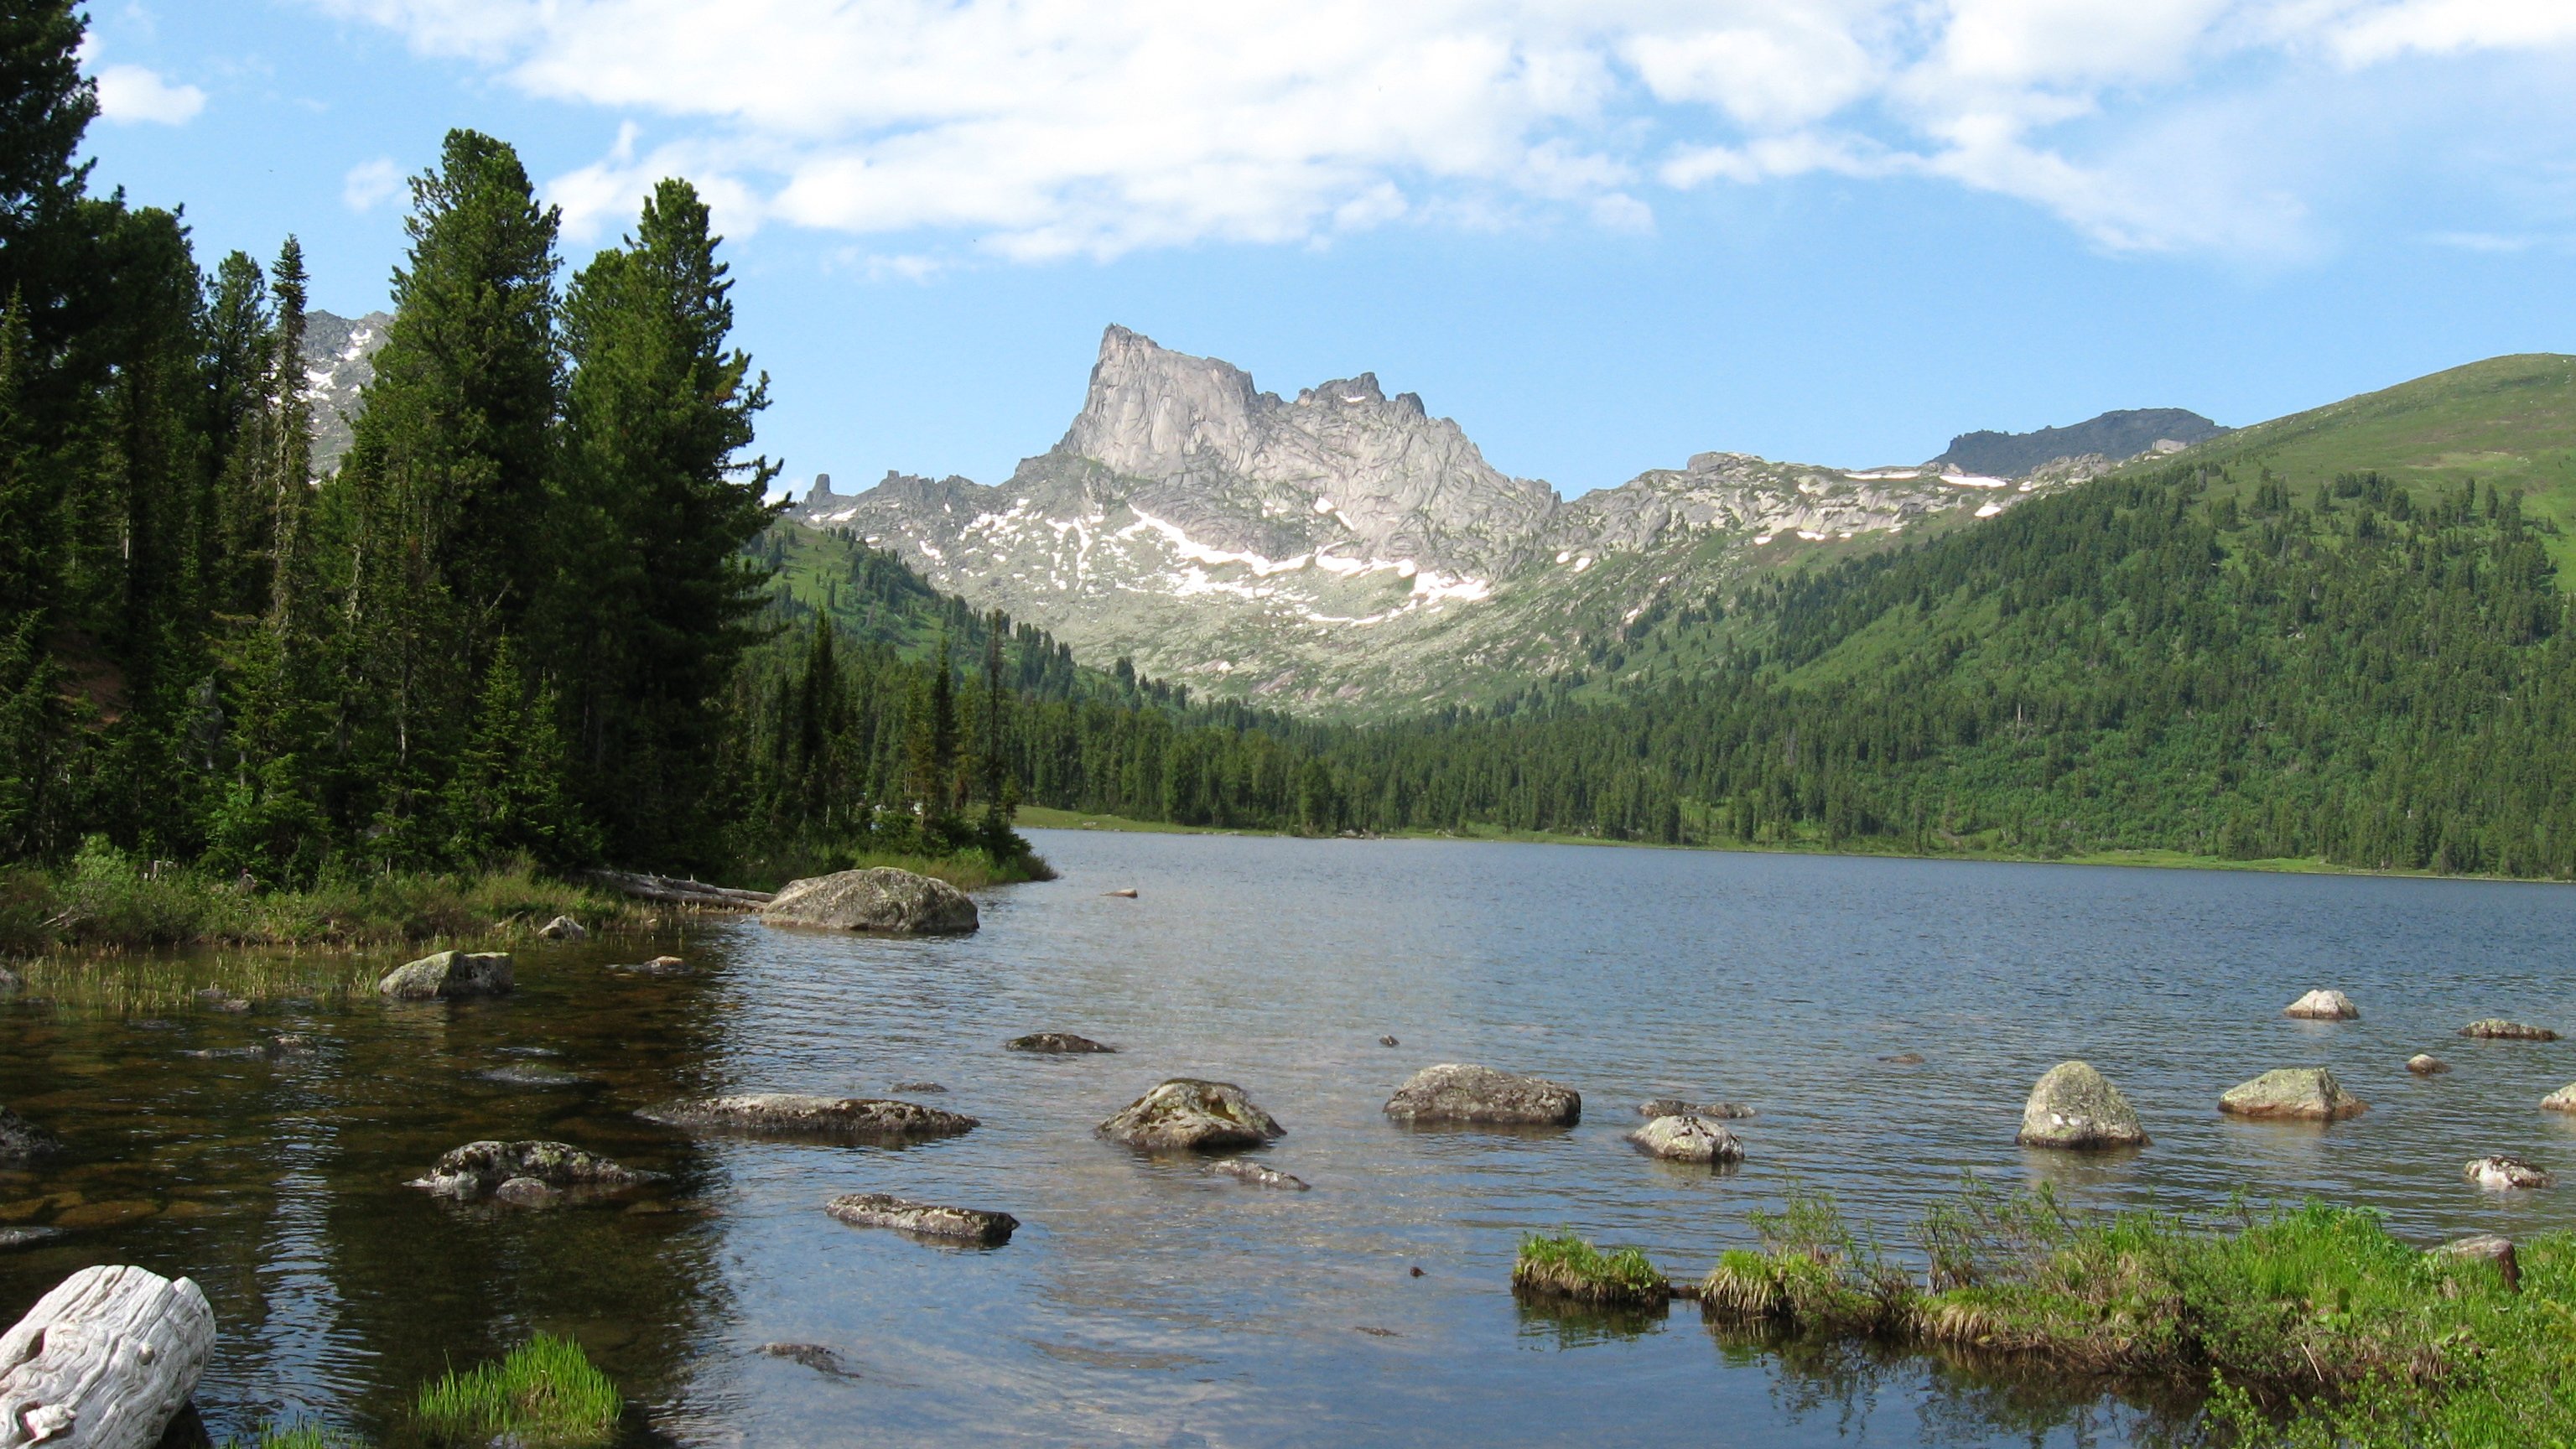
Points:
(1148, 1300)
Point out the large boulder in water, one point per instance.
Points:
(450, 975)
(1686, 1139)
(2496, 1028)
(1192, 1115)
(1482, 1096)
(881, 899)
(478, 1167)
(922, 1219)
(22, 1141)
(2076, 1106)
(2323, 1006)
(2305, 1093)
(794, 1114)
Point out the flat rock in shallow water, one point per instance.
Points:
(1904, 1059)
(1055, 1043)
(813, 1355)
(1253, 1174)
(917, 1087)
(2323, 1006)
(1676, 1107)
(796, 1114)
(22, 1141)
(1482, 1096)
(2425, 1064)
(881, 899)
(476, 1168)
(2496, 1028)
(2075, 1106)
(2501, 1172)
(1187, 1114)
(923, 1220)
(450, 976)
(2309, 1094)
(1686, 1139)
(658, 966)
(533, 1074)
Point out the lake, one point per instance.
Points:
(1150, 1301)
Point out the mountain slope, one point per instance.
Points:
(339, 362)
(2111, 436)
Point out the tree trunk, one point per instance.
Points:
(103, 1361)
(668, 891)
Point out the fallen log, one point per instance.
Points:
(666, 890)
(104, 1361)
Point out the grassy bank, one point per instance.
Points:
(2313, 1326)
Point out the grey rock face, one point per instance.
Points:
(1482, 1096)
(1055, 1043)
(2305, 1093)
(450, 976)
(470, 1171)
(876, 1119)
(339, 362)
(2323, 1006)
(1686, 1139)
(2075, 1106)
(22, 1141)
(1676, 1107)
(921, 1219)
(2501, 1173)
(2496, 1028)
(2123, 434)
(882, 899)
(1186, 1114)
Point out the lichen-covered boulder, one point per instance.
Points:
(2323, 1006)
(2304, 1093)
(470, 1171)
(2075, 1106)
(450, 976)
(1187, 1114)
(2501, 1173)
(2496, 1028)
(22, 1141)
(881, 899)
(795, 1114)
(1055, 1043)
(2425, 1064)
(1481, 1096)
(923, 1220)
(1686, 1139)
(1676, 1107)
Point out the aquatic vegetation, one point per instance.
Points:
(302, 1434)
(1566, 1266)
(545, 1395)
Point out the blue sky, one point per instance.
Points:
(1602, 234)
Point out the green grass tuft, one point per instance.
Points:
(303, 1434)
(1565, 1266)
(545, 1395)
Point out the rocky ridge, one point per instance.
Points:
(339, 361)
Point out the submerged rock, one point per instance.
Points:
(917, 1087)
(1057, 1043)
(2323, 1006)
(1123, 893)
(1482, 1096)
(2075, 1106)
(813, 1355)
(476, 1168)
(2501, 1173)
(1388, 1041)
(1904, 1059)
(1687, 1139)
(526, 1192)
(921, 1219)
(2425, 1064)
(535, 1074)
(2486, 1248)
(796, 1114)
(1188, 1114)
(2308, 1094)
(450, 975)
(1676, 1107)
(564, 928)
(881, 899)
(1253, 1174)
(22, 1141)
(2496, 1028)
(658, 966)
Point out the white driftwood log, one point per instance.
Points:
(103, 1361)
(669, 891)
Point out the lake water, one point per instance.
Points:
(1149, 1301)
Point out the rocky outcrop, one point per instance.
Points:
(1188, 1114)
(1687, 1139)
(2496, 1028)
(1055, 1043)
(1253, 1174)
(790, 1114)
(1676, 1107)
(880, 900)
(2074, 1106)
(2323, 1006)
(2308, 1094)
(1457, 1094)
(923, 1220)
(2501, 1173)
(2425, 1064)
(22, 1141)
(2112, 435)
(450, 976)
(475, 1169)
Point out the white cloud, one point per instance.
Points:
(369, 184)
(1031, 129)
(130, 93)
